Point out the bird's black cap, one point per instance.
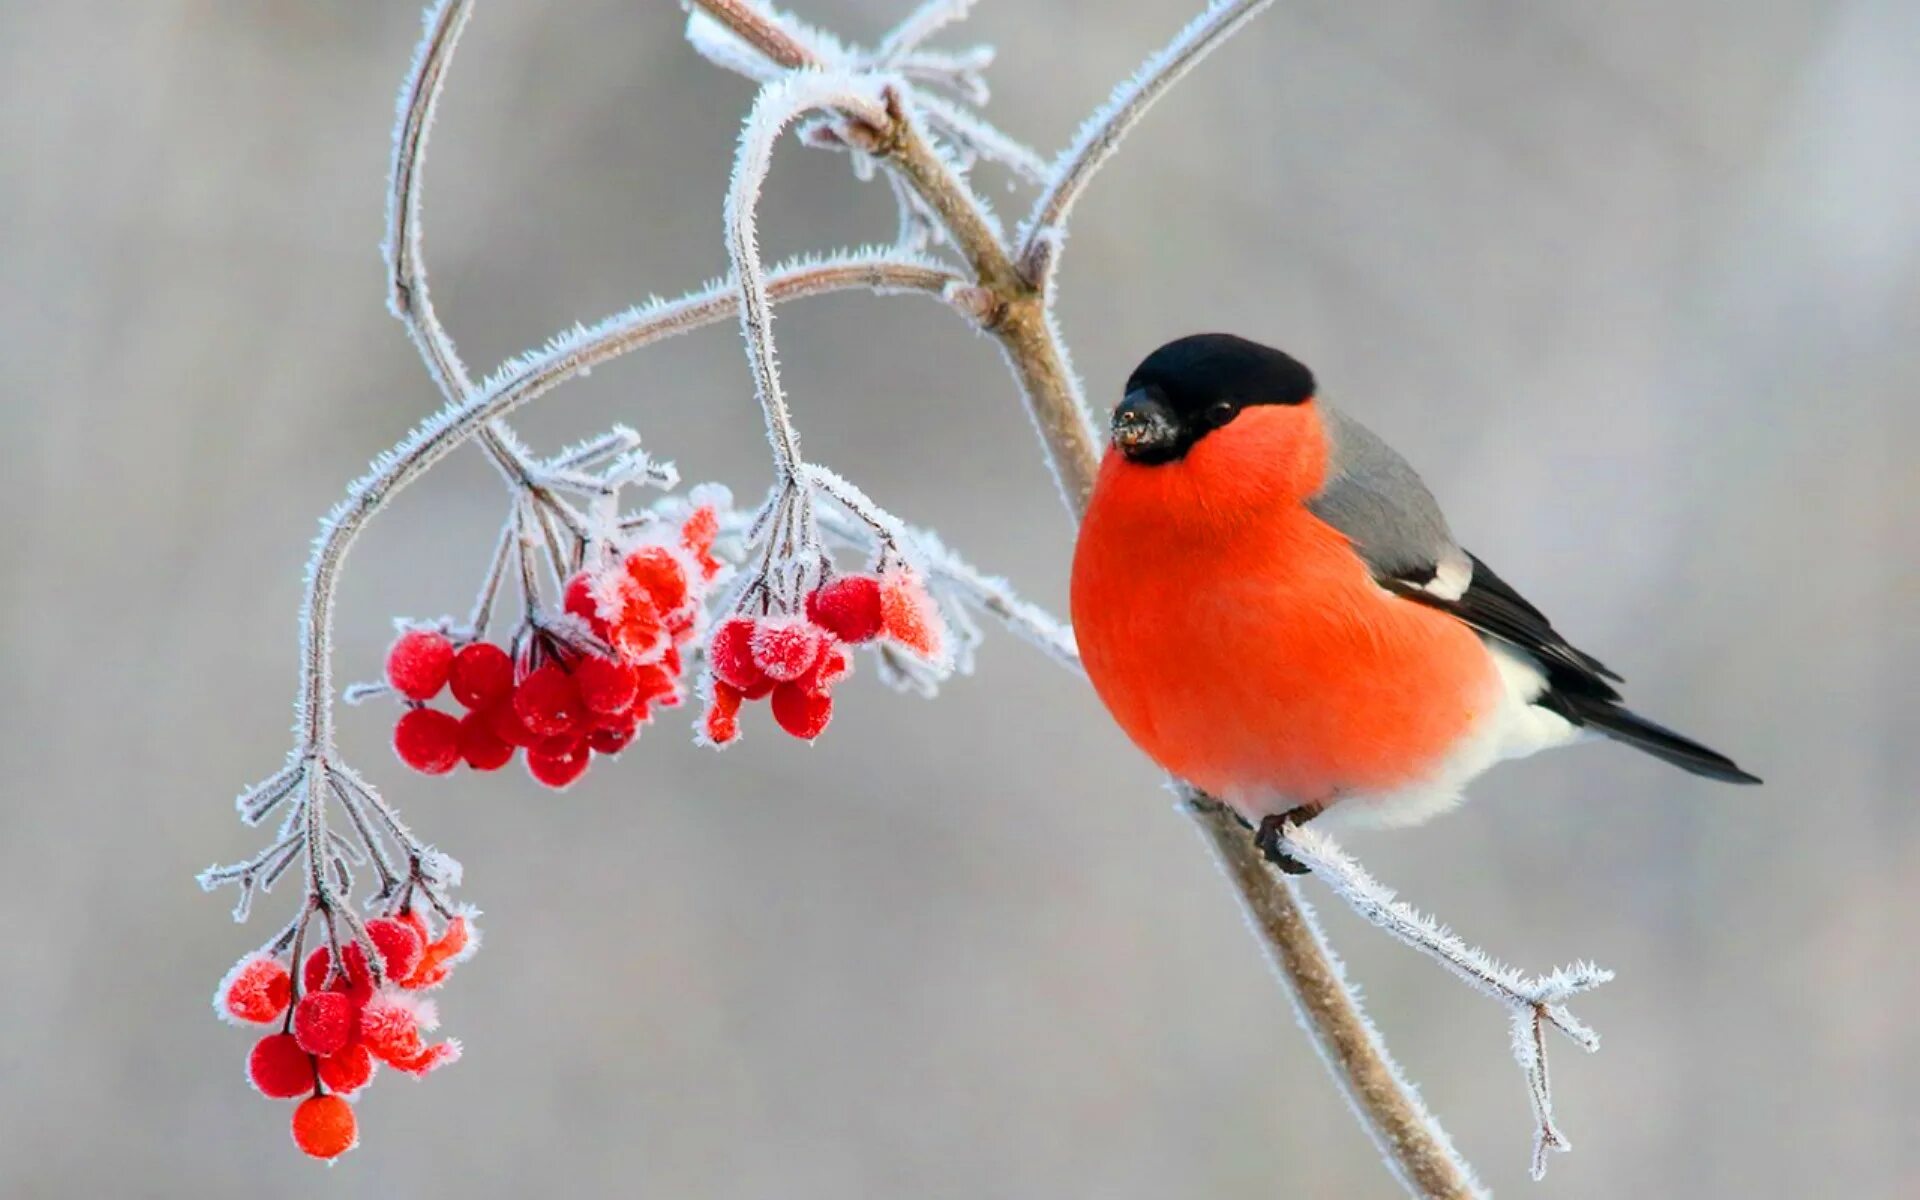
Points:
(1194, 385)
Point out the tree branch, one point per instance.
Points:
(1100, 136)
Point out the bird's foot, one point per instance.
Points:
(1271, 837)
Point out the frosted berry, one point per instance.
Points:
(431, 1057)
(481, 745)
(605, 686)
(427, 740)
(390, 1028)
(450, 947)
(278, 1068)
(802, 712)
(658, 684)
(731, 653)
(323, 1022)
(637, 629)
(416, 920)
(613, 736)
(580, 602)
(721, 723)
(356, 982)
(324, 1126)
(848, 608)
(698, 536)
(348, 1070)
(399, 943)
(787, 648)
(504, 720)
(558, 767)
(908, 615)
(418, 663)
(482, 674)
(660, 574)
(258, 989)
(833, 667)
(548, 702)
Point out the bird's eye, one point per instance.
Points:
(1222, 412)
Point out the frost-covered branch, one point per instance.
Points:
(526, 378)
(778, 105)
(1533, 1002)
(1100, 136)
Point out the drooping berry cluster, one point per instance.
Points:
(794, 661)
(567, 691)
(344, 1019)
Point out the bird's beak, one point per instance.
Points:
(1144, 429)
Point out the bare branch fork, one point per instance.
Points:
(910, 113)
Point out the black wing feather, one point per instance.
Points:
(1578, 686)
(1492, 606)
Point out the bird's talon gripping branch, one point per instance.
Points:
(1271, 837)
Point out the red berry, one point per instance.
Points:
(504, 720)
(698, 535)
(558, 767)
(731, 653)
(348, 1070)
(721, 724)
(278, 1068)
(830, 670)
(612, 739)
(356, 983)
(427, 740)
(661, 575)
(257, 989)
(802, 712)
(481, 746)
(548, 702)
(418, 663)
(785, 648)
(580, 602)
(399, 944)
(638, 632)
(482, 674)
(849, 608)
(431, 1057)
(605, 686)
(908, 614)
(416, 920)
(390, 1028)
(324, 1126)
(323, 1022)
(657, 684)
(454, 943)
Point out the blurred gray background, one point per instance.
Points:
(1634, 285)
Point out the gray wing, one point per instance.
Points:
(1373, 497)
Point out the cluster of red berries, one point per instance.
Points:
(794, 661)
(561, 701)
(344, 1022)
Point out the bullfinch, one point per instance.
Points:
(1270, 603)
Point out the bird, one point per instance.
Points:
(1270, 603)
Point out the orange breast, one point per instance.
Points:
(1240, 641)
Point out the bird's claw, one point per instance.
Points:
(1271, 839)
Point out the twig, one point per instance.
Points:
(1101, 135)
(1532, 1002)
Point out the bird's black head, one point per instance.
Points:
(1192, 386)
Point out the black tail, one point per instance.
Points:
(1623, 726)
